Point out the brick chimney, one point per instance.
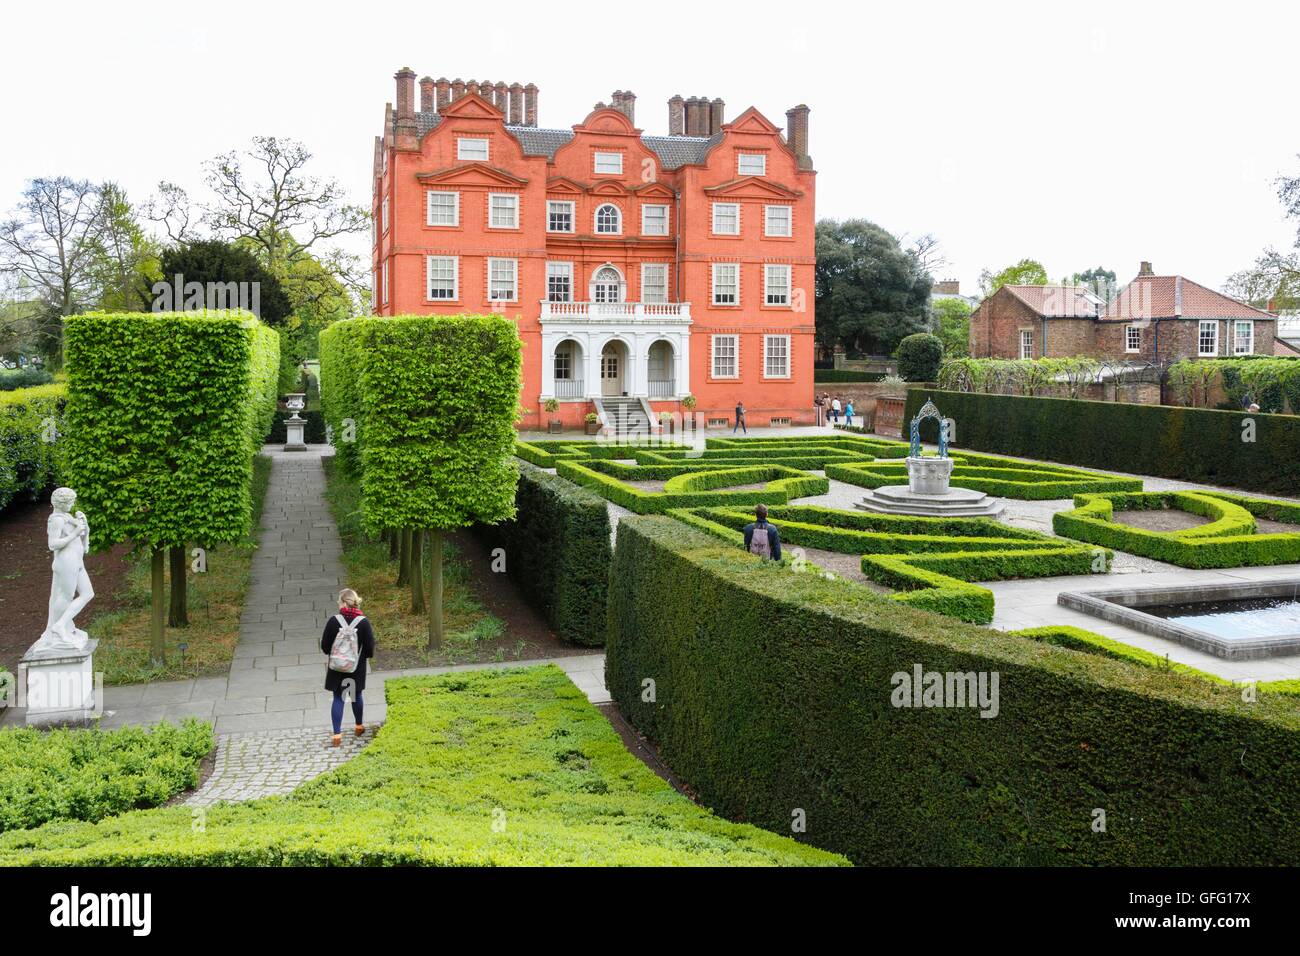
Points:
(404, 133)
(716, 120)
(693, 110)
(677, 116)
(457, 89)
(427, 104)
(530, 105)
(444, 92)
(516, 104)
(501, 98)
(948, 287)
(796, 137)
(472, 87)
(1145, 269)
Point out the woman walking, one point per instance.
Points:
(349, 641)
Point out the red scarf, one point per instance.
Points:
(350, 612)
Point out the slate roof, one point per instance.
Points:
(673, 151)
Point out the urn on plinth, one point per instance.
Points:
(293, 425)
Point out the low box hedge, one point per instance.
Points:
(693, 489)
(1002, 478)
(30, 463)
(1255, 452)
(91, 774)
(1228, 540)
(485, 768)
(828, 376)
(929, 561)
(774, 696)
(557, 550)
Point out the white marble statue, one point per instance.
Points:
(70, 590)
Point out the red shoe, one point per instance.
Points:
(360, 729)
(337, 740)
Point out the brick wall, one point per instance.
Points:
(996, 324)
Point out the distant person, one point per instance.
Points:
(349, 641)
(835, 409)
(1253, 408)
(848, 414)
(762, 538)
(740, 419)
(818, 407)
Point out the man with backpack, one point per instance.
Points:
(762, 538)
(348, 640)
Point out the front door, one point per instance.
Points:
(611, 370)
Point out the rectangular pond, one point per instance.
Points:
(1241, 621)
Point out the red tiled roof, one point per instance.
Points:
(1058, 301)
(1285, 348)
(1163, 297)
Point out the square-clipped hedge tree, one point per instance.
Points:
(432, 400)
(165, 413)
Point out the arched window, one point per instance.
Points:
(607, 285)
(609, 220)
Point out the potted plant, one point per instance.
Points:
(593, 423)
(666, 421)
(552, 406)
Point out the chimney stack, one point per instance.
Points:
(718, 107)
(625, 102)
(404, 127)
(1145, 269)
(472, 87)
(501, 99)
(796, 137)
(426, 95)
(516, 104)
(693, 116)
(677, 116)
(530, 105)
(457, 89)
(444, 92)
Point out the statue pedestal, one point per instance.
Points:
(294, 434)
(60, 685)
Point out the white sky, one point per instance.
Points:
(1081, 134)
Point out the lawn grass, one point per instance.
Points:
(471, 634)
(216, 600)
(495, 767)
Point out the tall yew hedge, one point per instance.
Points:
(1192, 444)
(422, 409)
(165, 413)
(30, 453)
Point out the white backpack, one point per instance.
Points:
(345, 655)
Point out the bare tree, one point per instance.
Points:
(928, 253)
(172, 210)
(265, 197)
(50, 245)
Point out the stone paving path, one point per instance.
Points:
(271, 713)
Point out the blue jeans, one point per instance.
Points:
(740, 423)
(336, 709)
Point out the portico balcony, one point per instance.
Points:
(623, 313)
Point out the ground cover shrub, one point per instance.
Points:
(89, 774)
(776, 690)
(1227, 540)
(456, 753)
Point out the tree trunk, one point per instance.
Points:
(158, 615)
(404, 558)
(394, 543)
(435, 589)
(178, 614)
(417, 572)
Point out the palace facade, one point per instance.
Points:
(640, 269)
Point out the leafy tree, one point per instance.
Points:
(212, 260)
(919, 357)
(871, 292)
(1024, 272)
(952, 325)
(1101, 281)
(1275, 274)
(125, 259)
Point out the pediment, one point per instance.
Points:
(655, 190)
(751, 121)
(471, 106)
(563, 184)
(607, 120)
(609, 188)
(753, 187)
(471, 174)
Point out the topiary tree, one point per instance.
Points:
(433, 400)
(919, 357)
(165, 413)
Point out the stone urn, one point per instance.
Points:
(293, 426)
(928, 476)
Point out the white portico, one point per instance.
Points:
(610, 349)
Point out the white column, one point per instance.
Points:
(636, 373)
(682, 356)
(591, 347)
(549, 340)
